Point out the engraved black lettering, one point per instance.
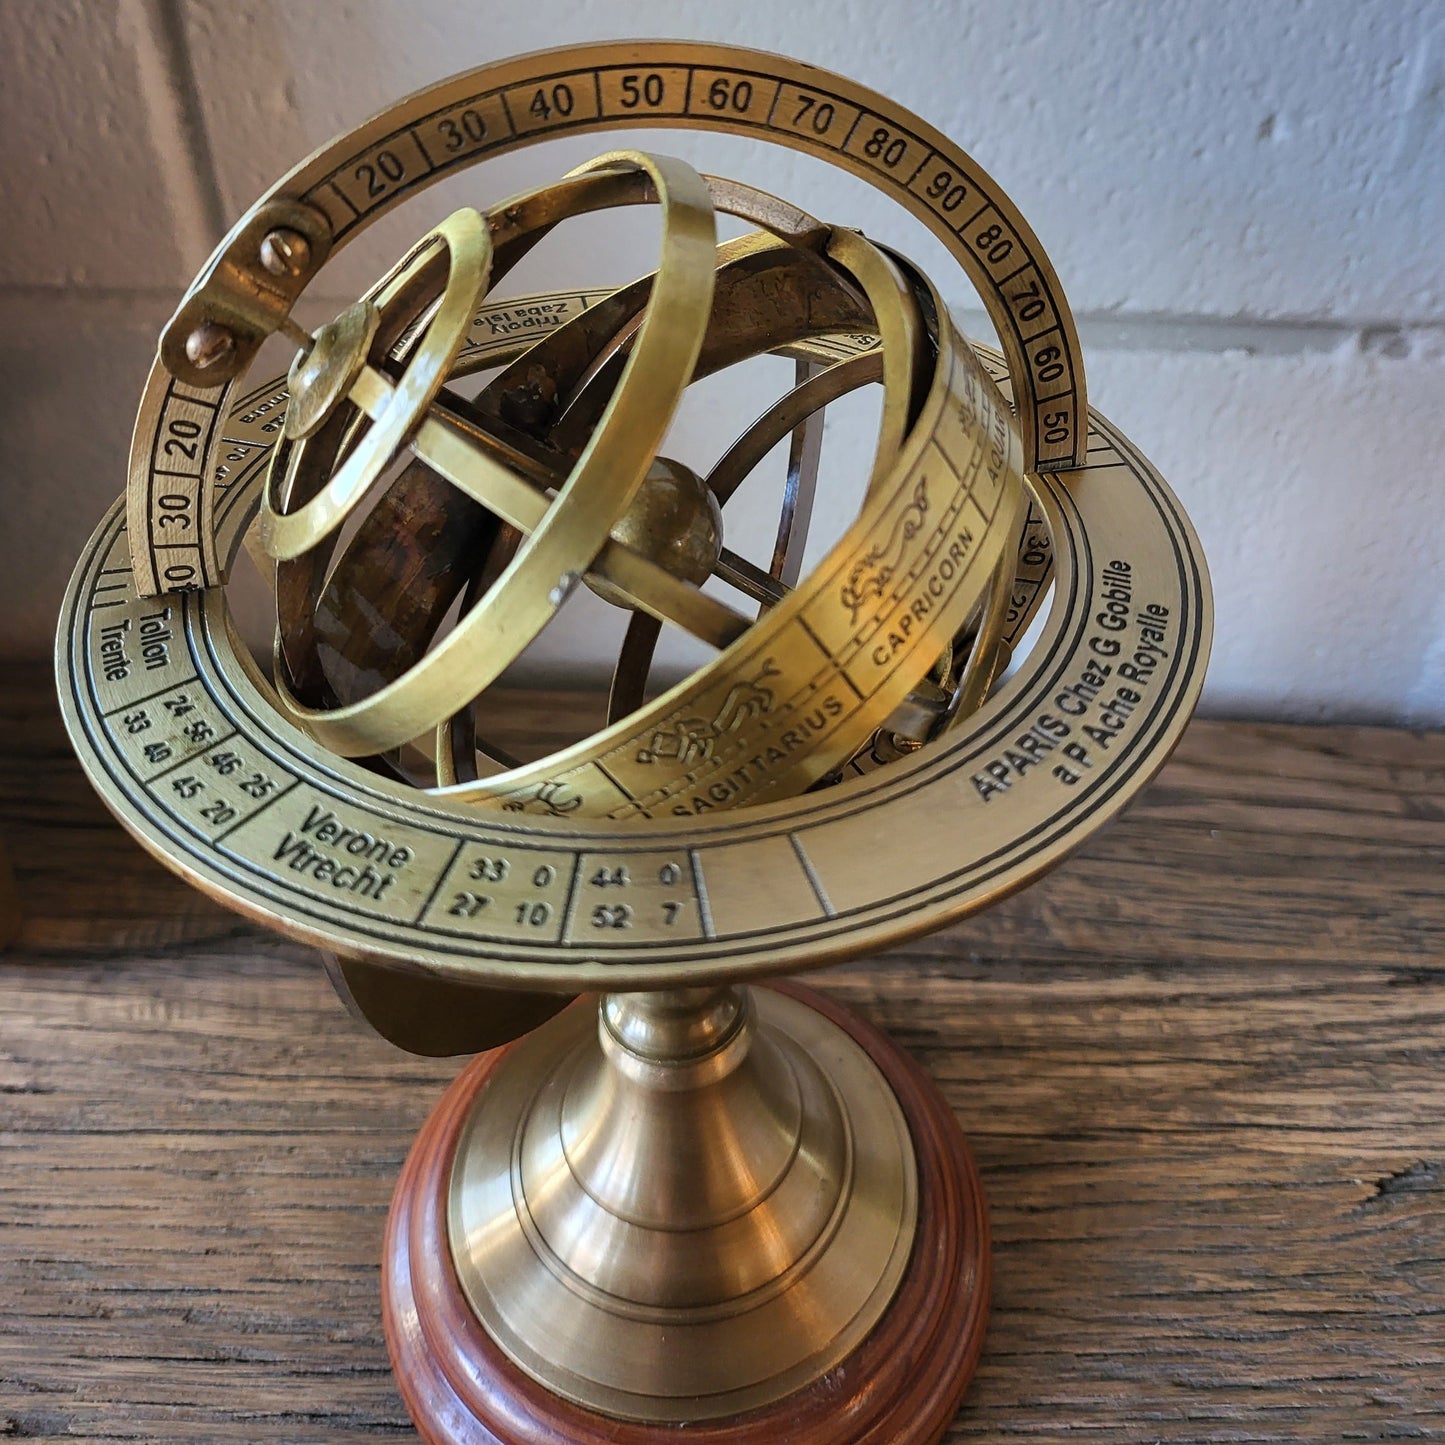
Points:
(114, 662)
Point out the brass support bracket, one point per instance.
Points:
(245, 293)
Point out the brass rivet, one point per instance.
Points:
(208, 344)
(566, 586)
(285, 252)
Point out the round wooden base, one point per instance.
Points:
(901, 1386)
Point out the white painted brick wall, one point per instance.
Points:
(1244, 199)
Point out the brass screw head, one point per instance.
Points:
(208, 344)
(285, 252)
(565, 587)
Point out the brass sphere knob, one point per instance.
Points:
(675, 521)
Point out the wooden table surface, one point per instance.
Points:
(1202, 1067)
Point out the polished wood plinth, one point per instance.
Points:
(902, 1385)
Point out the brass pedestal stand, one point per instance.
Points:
(697, 1214)
(743, 1211)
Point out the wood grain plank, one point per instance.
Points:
(1202, 1068)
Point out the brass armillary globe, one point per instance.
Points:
(690, 1203)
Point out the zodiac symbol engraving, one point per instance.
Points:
(872, 572)
(554, 799)
(692, 740)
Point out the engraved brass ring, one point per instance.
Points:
(565, 534)
(960, 459)
(488, 112)
(956, 475)
(629, 865)
(190, 755)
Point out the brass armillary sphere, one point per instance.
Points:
(688, 1204)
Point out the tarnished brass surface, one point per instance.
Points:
(496, 109)
(346, 374)
(321, 377)
(687, 1201)
(567, 534)
(927, 453)
(244, 294)
(436, 1017)
(700, 894)
(10, 915)
(675, 521)
(683, 1205)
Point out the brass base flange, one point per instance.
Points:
(708, 1209)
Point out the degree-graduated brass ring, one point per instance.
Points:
(635, 868)
(488, 112)
(713, 895)
(154, 691)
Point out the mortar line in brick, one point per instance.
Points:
(171, 97)
(1417, 341)
(1397, 339)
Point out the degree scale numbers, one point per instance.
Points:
(891, 148)
(175, 729)
(184, 748)
(496, 109)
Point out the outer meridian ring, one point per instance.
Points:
(348, 183)
(928, 851)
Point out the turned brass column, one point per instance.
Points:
(683, 1204)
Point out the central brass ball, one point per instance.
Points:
(675, 521)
